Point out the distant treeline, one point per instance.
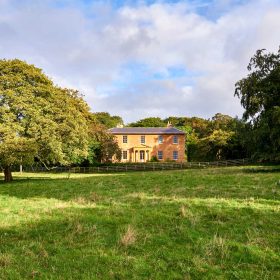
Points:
(221, 137)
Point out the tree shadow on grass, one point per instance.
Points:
(67, 244)
(84, 243)
(116, 186)
(60, 188)
(262, 170)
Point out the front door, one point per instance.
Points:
(142, 156)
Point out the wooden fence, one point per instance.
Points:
(149, 166)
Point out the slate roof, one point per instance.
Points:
(146, 130)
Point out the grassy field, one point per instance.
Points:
(192, 224)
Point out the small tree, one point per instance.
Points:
(216, 143)
(103, 145)
(38, 119)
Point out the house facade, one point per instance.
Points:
(140, 144)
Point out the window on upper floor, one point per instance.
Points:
(175, 139)
(160, 139)
(160, 154)
(175, 155)
(142, 139)
(124, 139)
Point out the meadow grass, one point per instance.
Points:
(221, 223)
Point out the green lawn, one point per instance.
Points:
(192, 224)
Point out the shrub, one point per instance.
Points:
(154, 159)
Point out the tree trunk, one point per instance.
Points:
(8, 174)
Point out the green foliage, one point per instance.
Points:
(190, 224)
(39, 119)
(223, 122)
(149, 122)
(103, 145)
(214, 145)
(215, 139)
(154, 159)
(192, 146)
(107, 120)
(218, 138)
(259, 94)
(17, 150)
(199, 125)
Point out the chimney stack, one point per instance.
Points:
(169, 124)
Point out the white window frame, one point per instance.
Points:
(158, 155)
(177, 155)
(123, 139)
(141, 138)
(160, 139)
(177, 139)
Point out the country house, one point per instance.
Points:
(140, 144)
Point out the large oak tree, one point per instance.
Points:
(259, 93)
(39, 120)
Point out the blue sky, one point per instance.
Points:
(211, 9)
(143, 58)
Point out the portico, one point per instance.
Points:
(141, 153)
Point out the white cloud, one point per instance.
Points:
(91, 50)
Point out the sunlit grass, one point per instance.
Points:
(53, 175)
(188, 224)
